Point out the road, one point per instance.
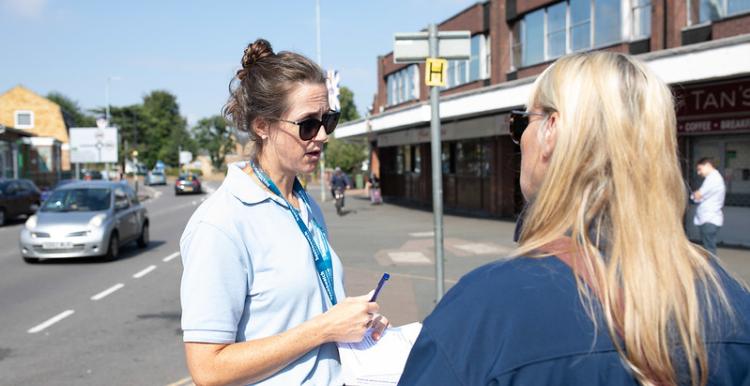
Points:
(54, 333)
(130, 335)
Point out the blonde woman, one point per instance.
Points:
(604, 287)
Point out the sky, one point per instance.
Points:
(193, 48)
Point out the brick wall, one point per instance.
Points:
(732, 26)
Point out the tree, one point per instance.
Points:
(347, 156)
(348, 108)
(215, 136)
(73, 114)
(164, 129)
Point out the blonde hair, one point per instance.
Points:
(615, 168)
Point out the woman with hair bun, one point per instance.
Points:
(262, 290)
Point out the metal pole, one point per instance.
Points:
(437, 172)
(106, 99)
(322, 161)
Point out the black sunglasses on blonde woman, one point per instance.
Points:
(309, 127)
(518, 122)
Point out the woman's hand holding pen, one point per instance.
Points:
(349, 320)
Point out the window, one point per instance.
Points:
(479, 62)
(641, 18)
(400, 160)
(448, 157)
(533, 38)
(576, 25)
(476, 68)
(24, 120)
(580, 25)
(416, 164)
(608, 29)
(556, 30)
(717, 9)
(402, 85)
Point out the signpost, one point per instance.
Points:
(92, 145)
(434, 49)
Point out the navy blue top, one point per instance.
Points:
(521, 322)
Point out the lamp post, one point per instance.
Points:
(107, 114)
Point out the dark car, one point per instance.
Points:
(90, 175)
(187, 183)
(17, 198)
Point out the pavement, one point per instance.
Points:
(91, 322)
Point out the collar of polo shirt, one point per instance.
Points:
(245, 189)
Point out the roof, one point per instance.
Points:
(92, 185)
(18, 132)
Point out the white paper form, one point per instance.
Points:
(378, 363)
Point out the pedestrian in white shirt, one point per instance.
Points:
(710, 199)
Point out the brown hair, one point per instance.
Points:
(260, 88)
(705, 160)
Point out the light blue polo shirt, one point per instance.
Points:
(249, 274)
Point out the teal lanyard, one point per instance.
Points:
(323, 263)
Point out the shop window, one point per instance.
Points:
(400, 160)
(737, 173)
(469, 158)
(448, 157)
(408, 160)
(24, 120)
(416, 163)
(732, 157)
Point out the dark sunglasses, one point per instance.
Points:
(518, 122)
(308, 128)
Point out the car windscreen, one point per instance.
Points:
(77, 200)
(3, 188)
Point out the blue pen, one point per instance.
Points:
(382, 281)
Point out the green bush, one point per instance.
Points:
(174, 172)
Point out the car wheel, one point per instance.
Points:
(30, 260)
(113, 250)
(144, 239)
(2, 217)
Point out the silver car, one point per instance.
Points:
(155, 177)
(85, 219)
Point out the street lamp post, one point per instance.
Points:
(106, 102)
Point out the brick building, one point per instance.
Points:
(700, 47)
(26, 110)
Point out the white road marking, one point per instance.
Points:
(108, 291)
(409, 258)
(183, 382)
(483, 249)
(170, 257)
(51, 321)
(144, 272)
(422, 234)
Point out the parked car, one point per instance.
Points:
(187, 183)
(85, 219)
(155, 177)
(90, 175)
(17, 198)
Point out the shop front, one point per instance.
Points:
(714, 122)
(480, 166)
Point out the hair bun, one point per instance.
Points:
(254, 52)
